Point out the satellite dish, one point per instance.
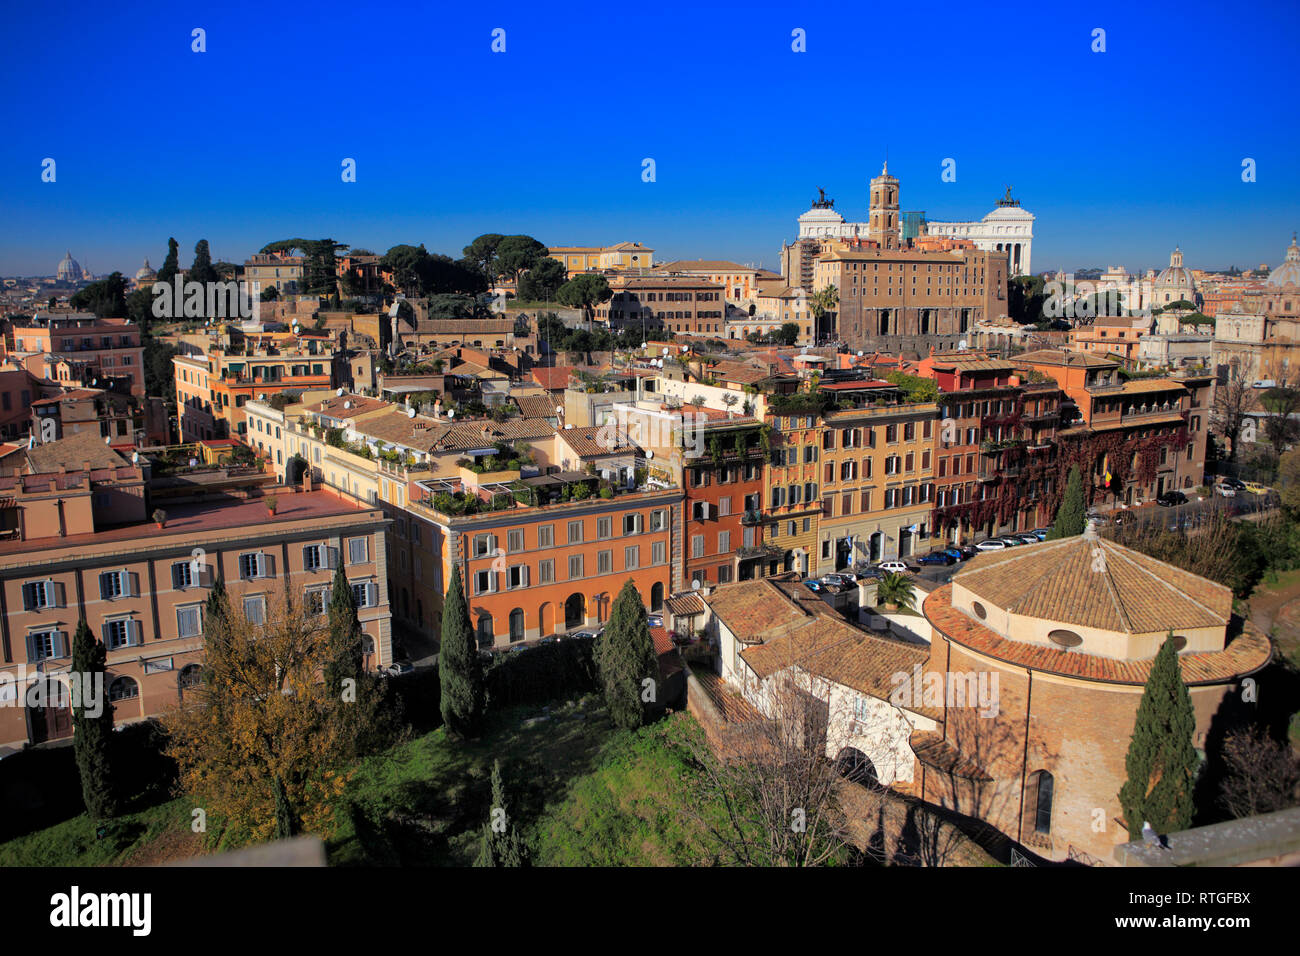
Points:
(410, 413)
(645, 345)
(108, 439)
(695, 584)
(568, 427)
(261, 397)
(649, 453)
(339, 393)
(962, 344)
(451, 413)
(859, 355)
(347, 404)
(665, 351)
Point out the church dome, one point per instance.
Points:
(1174, 283)
(1288, 273)
(68, 269)
(144, 273)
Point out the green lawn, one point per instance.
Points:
(133, 838)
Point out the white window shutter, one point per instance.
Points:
(525, 575)
(132, 583)
(372, 594)
(268, 565)
(60, 644)
(55, 594)
(331, 558)
(136, 632)
(31, 647)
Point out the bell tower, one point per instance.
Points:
(883, 222)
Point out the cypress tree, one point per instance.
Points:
(201, 270)
(501, 845)
(172, 264)
(92, 734)
(1161, 760)
(216, 613)
(346, 650)
(626, 659)
(460, 672)
(1071, 517)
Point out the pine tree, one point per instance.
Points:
(460, 672)
(1071, 516)
(1162, 761)
(201, 270)
(92, 736)
(501, 845)
(172, 264)
(626, 659)
(346, 651)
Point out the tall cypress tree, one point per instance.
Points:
(1161, 760)
(202, 270)
(460, 672)
(626, 659)
(501, 845)
(346, 652)
(1071, 516)
(92, 734)
(172, 264)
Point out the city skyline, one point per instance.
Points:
(1106, 149)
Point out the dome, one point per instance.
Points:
(1117, 602)
(1288, 273)
(68, 269)
(1174, 283)
(144, 273)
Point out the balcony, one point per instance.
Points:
(750, 517)
(992, 470)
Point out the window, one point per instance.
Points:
(485, 582)
(317, 600)
(123, 688)
(359, 550)
(658, 520)
(189, 620)
(515, 540)
(604, 527)
(546, 536)
(516, 576)
(45, 645)
(122, 632)
(40, 594)
(114, 584)
(631, 557)
(255, 609)
(724, 542)
(253, 565)
(697, 546)
(516, 625)
(1043, 788)
(604, 562)
(575, 532)
(366, 594)
(632, 524)
(658, 553)
(575, 567)
(315, 557)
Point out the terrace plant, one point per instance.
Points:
(895, 591)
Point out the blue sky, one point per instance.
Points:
(1120, 154)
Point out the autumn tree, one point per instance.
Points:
(460, 672)
(92, 725)
(501, 844)
(1263, 775)
(626, 660)
(1280, 404)
(261, 742)
(1161, 763)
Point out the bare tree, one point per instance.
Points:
(1262, 775)
(1232, 399)
(1279, 404)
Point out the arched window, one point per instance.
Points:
(191, 676)
(516, 625)
(486, 635)
(1041, 789)
(657, 596)
(123, 688)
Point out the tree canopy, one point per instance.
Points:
(460, 672)
(1071, 516)
(626, 660)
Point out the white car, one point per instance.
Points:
(993, 544)
(1226, 491)
(894, 567)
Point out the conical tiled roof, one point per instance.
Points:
(1092, 582)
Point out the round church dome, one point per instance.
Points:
(1288, 273)
(68, 269)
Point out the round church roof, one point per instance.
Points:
(1288, 273)
(68, 269)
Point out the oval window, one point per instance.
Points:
(1179, 643)
(1064, 638)
(979, 610)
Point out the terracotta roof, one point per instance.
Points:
(72, 453)
(552, 378)
(662, 642)
(751, 609)
(977, 365)
(685, 605)
(463, 327)
(597, 442)
(1246, 653)
(477, 434)
(356, 405)
(394, 427)
(1058, 581)
(933, 751)
(703, 265)
(731, 706)
(535, 406)
(1059, 357)
(1140, 385)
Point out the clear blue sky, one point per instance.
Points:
(1120, 154)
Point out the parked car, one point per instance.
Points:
(1236, 484)
(812, 584)
(1040, 533)
(1028, 537)
(968, 552)
(1171, 499)
(957, 554)
(588, 634)
(992, 544)
(835, 580)
(937, 557)
(654, 620)
(894, 567)
(1255, 488)
(398, 668)
(1011, 541)
(1225, 490)
(869, 574)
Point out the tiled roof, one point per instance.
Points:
(702, 265)
(662, 642)
(753, 608)
(1059, 357)
(535, 406)
(72, 453)
(597, 442)
(1246, 653)
(465, 435)
(1139, 385)
(733, 708)
(396, 428)
(933, 751)
(685, 605)
(356, 405)
(552, 378)
(977, 365)
(464, 327)
(1060, 581)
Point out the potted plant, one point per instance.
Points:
(895, 591)
(160, 517)
(271, 504)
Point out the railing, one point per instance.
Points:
(751, 517)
